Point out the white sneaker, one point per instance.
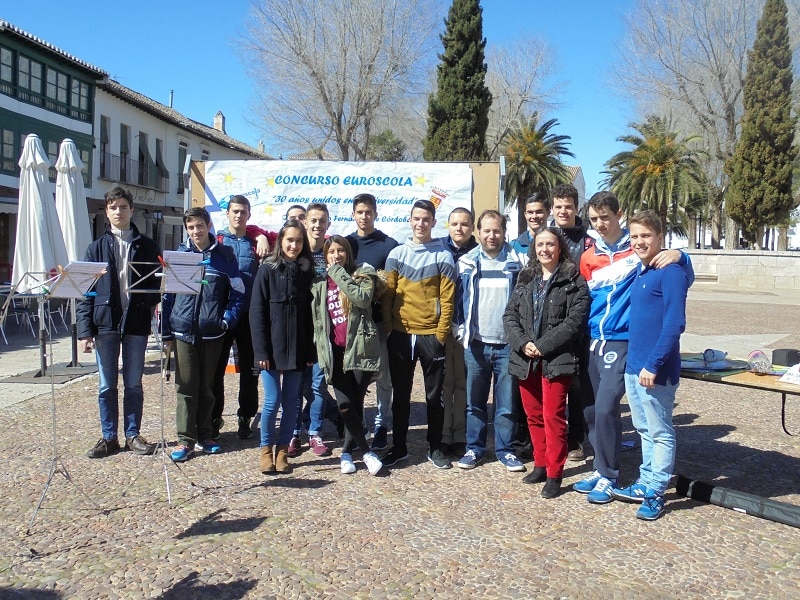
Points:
(374, 464)
(347, 464)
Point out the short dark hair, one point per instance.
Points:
(541, 199)
(565, 190)
(196, 212)
(318, 206)
(292, 207)
(117, 193)
(367, 199)
(492, 214)
(239, 199)
(604, 199)
(426, 205)
(647, 218)
(465, 211)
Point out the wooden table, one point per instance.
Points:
(746, 379)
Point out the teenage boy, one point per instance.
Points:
(566, 221)
(235, 236)
(198, 323)
(537, 208)
(652, 372)
(372, 246)
(486, 277)
(610, 269)
(460, 225)
(117, 320)
(417, 312)
(313, 386)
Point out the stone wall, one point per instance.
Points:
(748, 268)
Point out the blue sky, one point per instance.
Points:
(190, 47)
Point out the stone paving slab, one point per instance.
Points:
(413, 532)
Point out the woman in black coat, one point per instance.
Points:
(282, 328)
(544, 323)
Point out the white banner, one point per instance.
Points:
(272, 186)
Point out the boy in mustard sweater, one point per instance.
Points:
(417, 311)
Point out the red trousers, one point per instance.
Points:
(545, 404)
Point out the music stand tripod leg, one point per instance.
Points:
(161, 446)
(56, 464)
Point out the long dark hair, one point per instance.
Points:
(564, 254)
(349, 262)
(349, 265)
(276, 256)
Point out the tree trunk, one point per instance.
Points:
(783, 238)
(692, 233)
(716, 227)
(731, 234)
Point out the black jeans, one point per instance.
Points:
(349, 388)
(404, 350)
(248, 372)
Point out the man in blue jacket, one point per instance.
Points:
(198, 323)
(117, 320)
(235, 236)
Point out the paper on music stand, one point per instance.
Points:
(183, 272)
(77, 278)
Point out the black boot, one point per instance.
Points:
(538, 475)
(552, 487)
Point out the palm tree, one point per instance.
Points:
(533, 159)
(661, 172)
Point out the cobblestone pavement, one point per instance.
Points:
(414, 532)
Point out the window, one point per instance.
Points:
(6, 71)
(85, 156)
(57, 90)
(30, 81)
(204, 154)
(7, 152)
(161, 168)
(105, 124)
(80, 95)
(124, 152)
(52, 154)
(183, 151)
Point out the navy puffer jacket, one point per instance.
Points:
(209, 314)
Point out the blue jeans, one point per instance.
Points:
(651, 412)
(484, 362)
(315, 391)
(279, 394)
(107, 351)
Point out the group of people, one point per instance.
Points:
(559, 325)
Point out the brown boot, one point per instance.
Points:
(282, 459)
(267, 464)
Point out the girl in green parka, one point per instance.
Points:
(347, 343)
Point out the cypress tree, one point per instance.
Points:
(458, 113)
(760, 192)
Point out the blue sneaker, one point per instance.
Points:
(181, 453)
(584, 486)
(209, 447)
(652, 507)
(601, 494)
(470, 460)
(633, 493)
(511, 462)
